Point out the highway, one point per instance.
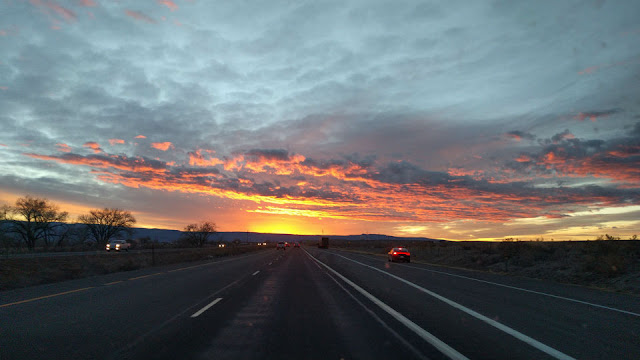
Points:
(309, 303)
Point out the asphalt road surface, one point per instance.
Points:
(309, 303)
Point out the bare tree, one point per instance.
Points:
(107, 223)
(198, 234)
(35, 219)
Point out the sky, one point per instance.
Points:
(456, 120)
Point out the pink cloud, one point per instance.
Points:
(94, 146)
(170, 4)
(63, 147)
(4, 88)
(164, 146)
(589, 70)
(89, 3)
(139, 16)
(4, 145)
(141, 137)
(116, 141)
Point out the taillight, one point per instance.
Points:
(394, 253)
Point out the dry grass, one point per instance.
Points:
(612, 265)
(16, 273)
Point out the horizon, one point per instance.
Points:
(456, 121)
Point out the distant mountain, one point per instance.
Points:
(172, 235)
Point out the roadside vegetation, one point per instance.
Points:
(607, 262)
(36, 224)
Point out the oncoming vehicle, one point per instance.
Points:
(281, 245)
(399, 253)
(118, 245)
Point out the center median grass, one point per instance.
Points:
(17, 273)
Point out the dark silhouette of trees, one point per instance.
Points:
(33, 219)
(198, 234)
(107, 223)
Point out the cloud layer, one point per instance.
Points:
(455, 120)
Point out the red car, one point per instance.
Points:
(399, 253)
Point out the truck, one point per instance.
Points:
(323, 243)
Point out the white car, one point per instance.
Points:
(118, 245)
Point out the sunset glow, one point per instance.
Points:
(411, 120)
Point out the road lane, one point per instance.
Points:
(296, 312)
(576, 329)
(285, 305)
(91, 323)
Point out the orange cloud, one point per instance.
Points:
(94, 146)
(163, 146)
(139, 16)
(140, 137)
(198, 159)
(116, 141)
(137, 164)
(170, 4)
(63, 147)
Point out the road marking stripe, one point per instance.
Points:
(255, 273)
(526, 290)
(199, 312)
(398, 337)
(424, 334)
(518, 335)
(45, 297)
(114, 282)
(140, 277)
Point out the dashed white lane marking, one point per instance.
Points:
(199, 312)
(255, 273)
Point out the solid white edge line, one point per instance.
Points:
(424, 334)
(255, 273)
(526, 290)
(518, 335)
(199, 312)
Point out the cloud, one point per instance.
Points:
(140, 137)
(594, 115)
(519, 135)
(52, 8)
(94, 146)
(168, 3)
(203, 158)
(617, 159)
(116, 141)
(88, 3)
(63, 147)
(139, 16)
(163, 146)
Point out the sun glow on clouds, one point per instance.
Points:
(163, 146)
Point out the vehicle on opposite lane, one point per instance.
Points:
(118, 245)
(281, 245)
(399, 253)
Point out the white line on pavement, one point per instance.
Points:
(199, 312)
(526, 290)
(255, 273)
(424, 334)
(518, 335)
